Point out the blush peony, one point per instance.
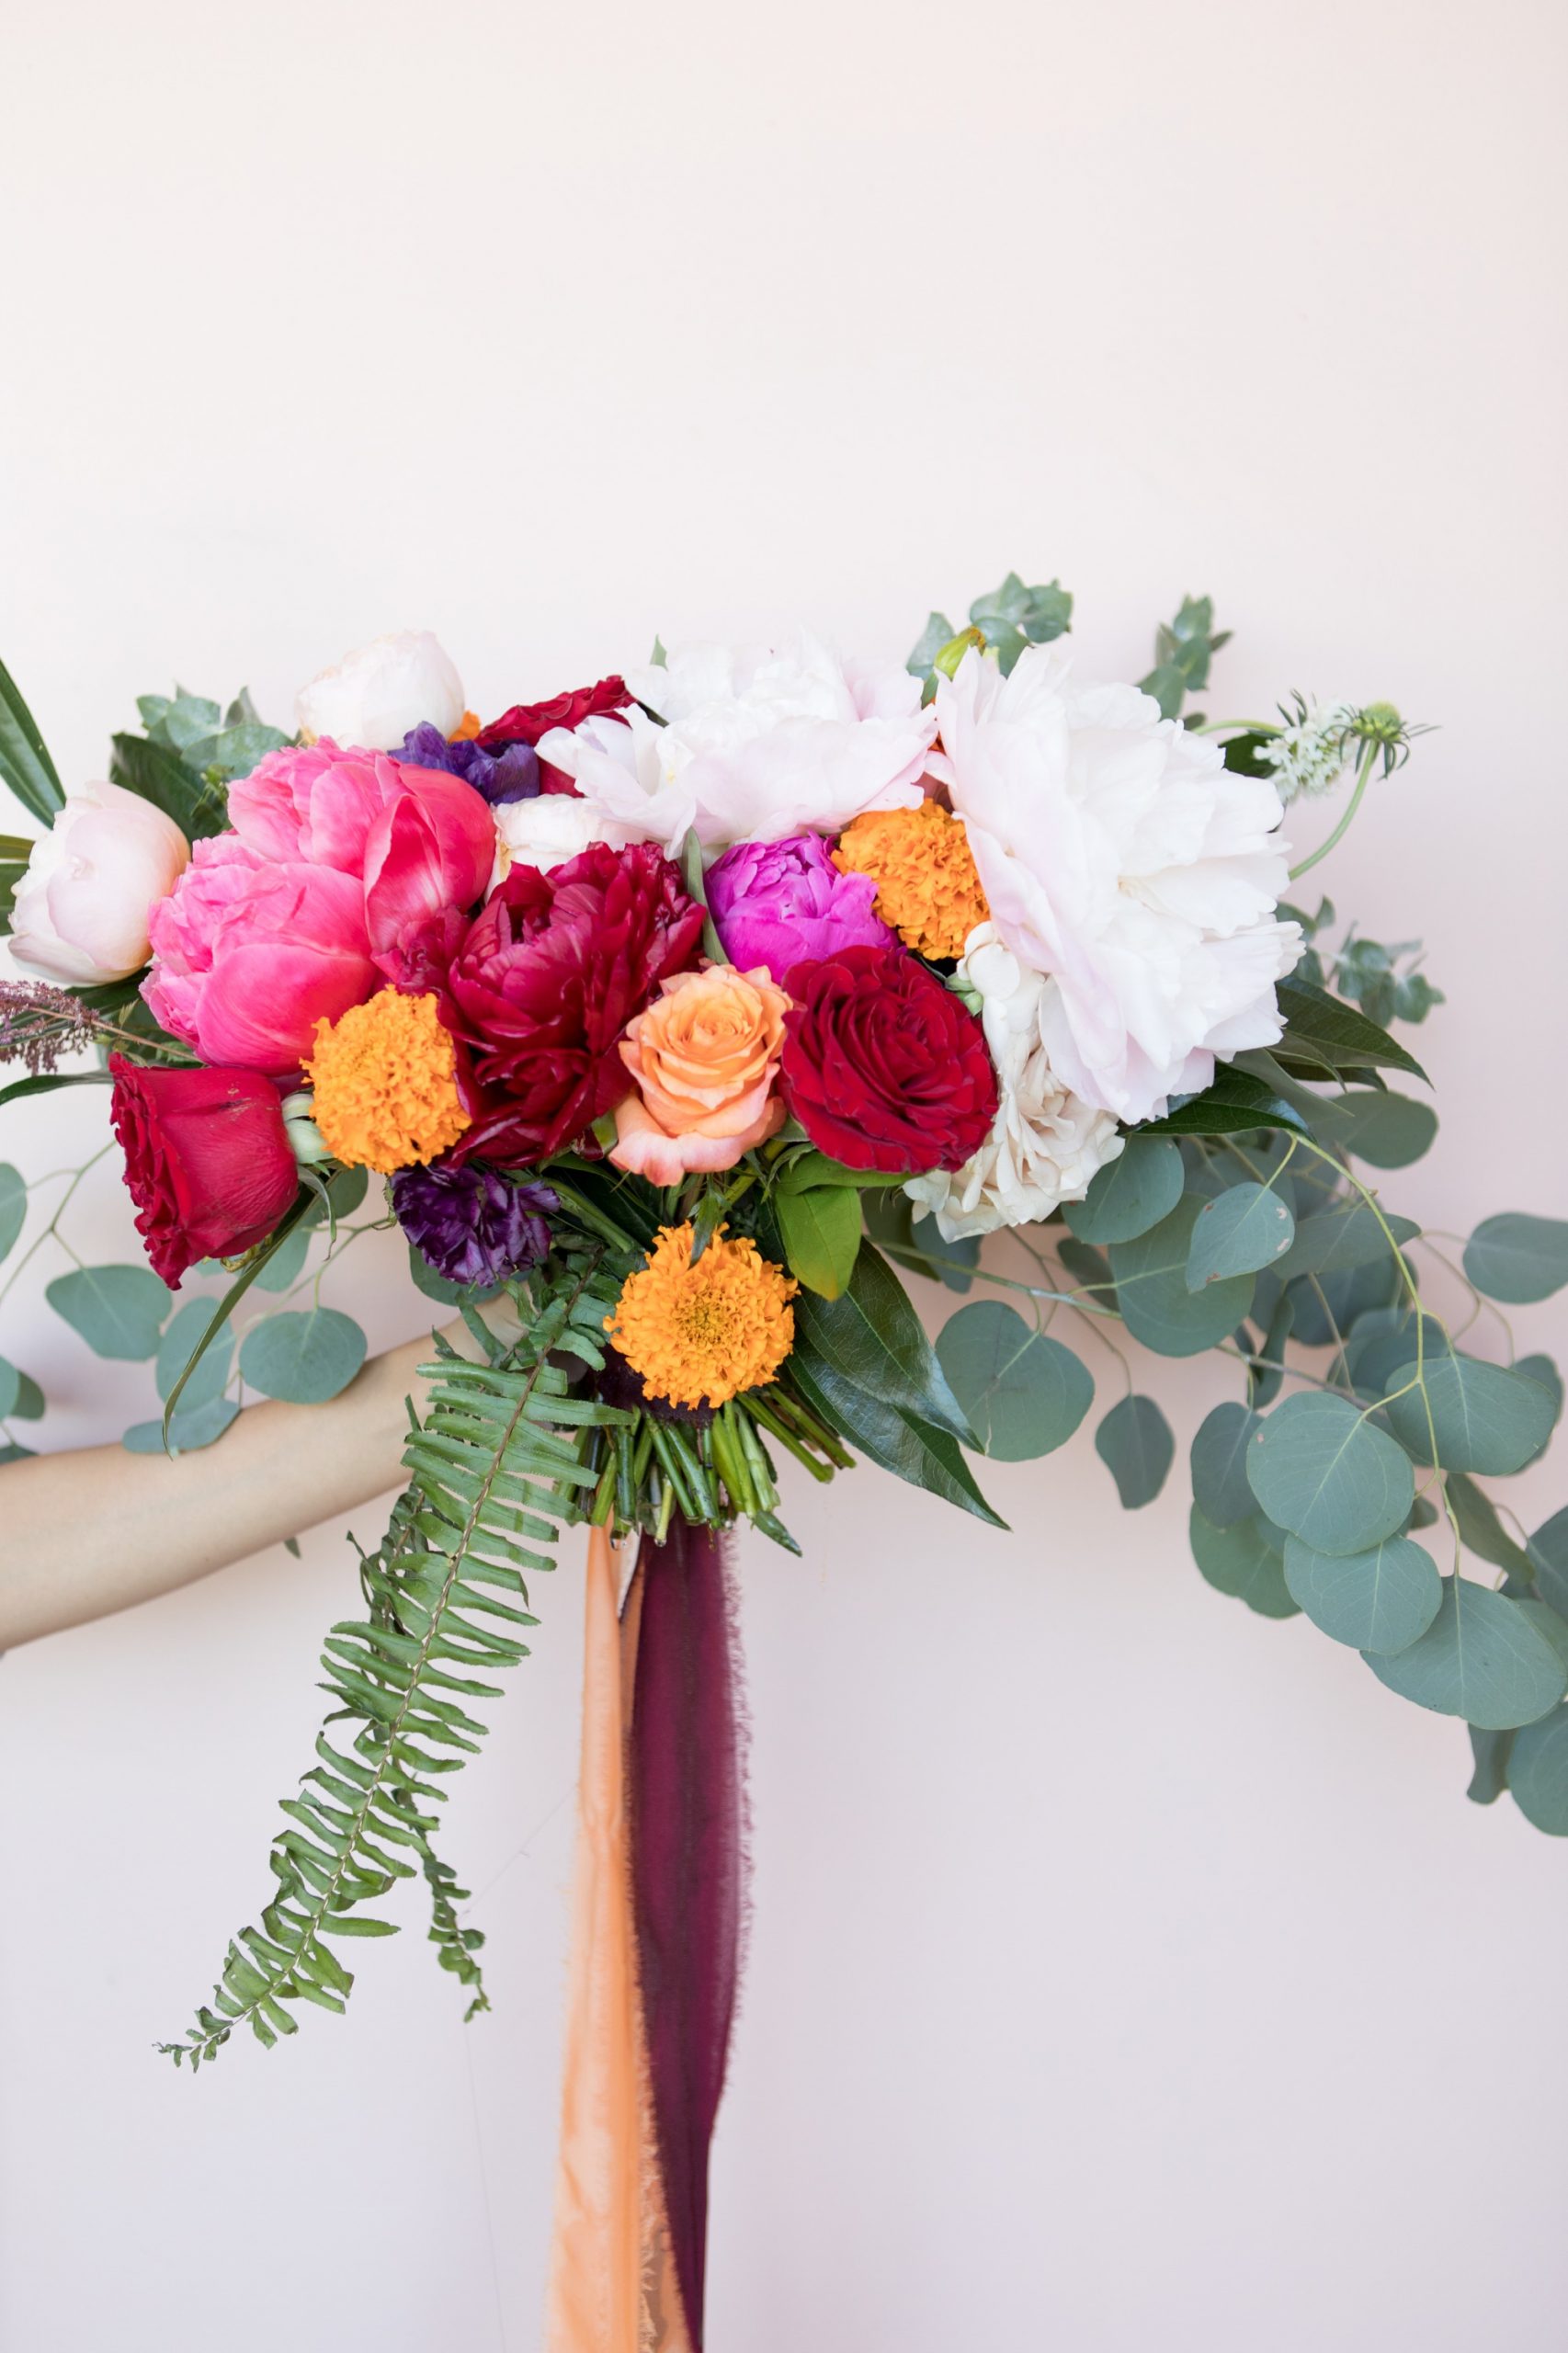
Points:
(1122, 857)
(756, 745)
(82, 909)
(545, 982)
(704, 1057)
(1045, 1143)
(249, 954)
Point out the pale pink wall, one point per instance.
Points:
(1127, 1972)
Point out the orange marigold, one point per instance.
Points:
(700, 1334)
(926, 885)
(385, 1082)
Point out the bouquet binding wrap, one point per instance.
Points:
(677, 1020)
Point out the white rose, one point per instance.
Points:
(1046, 1142)
(1122, 857)
(376, 695)
(81, 908)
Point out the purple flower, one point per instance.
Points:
(779, 902)
(509, 775)
(471, 1224)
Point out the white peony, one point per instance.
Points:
(1046, 1142)
(1122, 857)
(82, 906)
(546, 831)
(376, 695)
(757, 745)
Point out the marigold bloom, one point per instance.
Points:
(700, 1334)
(385, 1082)
(926, 885)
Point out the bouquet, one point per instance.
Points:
(679, 1021)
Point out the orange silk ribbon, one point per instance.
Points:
(612, 2287)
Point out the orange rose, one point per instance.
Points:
(705, 1055)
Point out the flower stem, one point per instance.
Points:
(1367, 757)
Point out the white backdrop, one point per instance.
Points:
(1127, 1970)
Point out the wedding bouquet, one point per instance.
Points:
(688, 1013)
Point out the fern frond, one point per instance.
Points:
(496, 1467)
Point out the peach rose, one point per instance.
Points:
(705, 1056)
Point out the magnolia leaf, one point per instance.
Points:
(1480, 1658)
(119, 1311)
(1243, 1231)
(1386, 1130)
(1153, 1295)
(304, 1357)
(821, 1227)
(1235, 1102)
(1320, 1470)
(873, 1339)
(1135, 1444)
(1130, 1194)
(1221, 1487)
(1380, 1601)
(1484, 1417)
(904, 1443)
(1321, 1030)
(1519, 1259)
(1023, 1393)
(1243, 1561)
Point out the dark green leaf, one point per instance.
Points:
(1130, 1194)
(1135, 1444)
(821, 1227)
(872, 1337)
(1321, 1030)
(1023, 1393)
(1491, 1751)
(158, 775)
(1233, 1103)
(25, 764)
(953, 1262)
(911, 1448)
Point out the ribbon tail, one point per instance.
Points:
(688, 1870)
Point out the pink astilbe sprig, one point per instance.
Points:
(39, 1023)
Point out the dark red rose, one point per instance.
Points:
(546, 980)
(883, 1067)
(207, 1160)
(526, 721)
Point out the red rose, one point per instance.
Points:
(207, 1160)
(526, 721)
(547, 979)
(884, 1067)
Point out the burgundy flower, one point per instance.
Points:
(207, 1160)
(546, 980)
(883, 1067)
(525, 722)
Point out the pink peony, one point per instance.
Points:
(249, 954)
(780, 903)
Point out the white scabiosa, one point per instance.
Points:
(1046, 1142)
(1307, 755)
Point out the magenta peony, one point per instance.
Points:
(249, 954)
(780, 903)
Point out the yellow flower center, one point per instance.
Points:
(700, 1334)
(921, 862)
(385, 1082)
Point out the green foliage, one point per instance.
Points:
(1238, 1233)
(1236, 1101)
(1183, 650)
(305, 1356)
(494, 1470)
(894, 1436)
(1482, 1416)
(25, 764)
(1220, 1484)
(1384, 982)
(1382, 1600)
(1327, 1039)
(1482, 1657)
(12, 1207)
(1517, 1259)
(1022, 1392)
(1386, 1130)
(1151, 1289)
(191, 752)
(1135, 1444)
(193, 1427)
(1008, 618)
(1131, 1193)
(1538, 1772)
(873, 1339)
(119, 1311)
(821, 1228)
(184, 1335)
(1322, 1472)
(1244, 1562)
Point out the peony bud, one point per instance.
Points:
(377, 694)
(82, 909)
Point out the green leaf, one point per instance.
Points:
(1517, 1259)
(1235, 1102)
(1013, 616)
(1486, 1418)
(188, 1430)
(1480, 1658)
(1491, 1751)
(1332, 1036)
(1481, 1531)
(185, 1335)
(119, 1311)
(1152, 1293)
(29, 1405)
(872, 1337)
(160, 775)
(45, 1081)
(1264, 1377)
(1538, 1772)
(954, 1261)
(938, 632)
(1544, 1373)
(1325, 1473)
(1220, 1484)
(12, 1207)
(912, 1449)
(1244, 1562)
(1135, 1444)
(25, 764)
(305, 1356)
(445, 1293)
(1088, 1269)
(821, 1227)
(347, 1188)
(10, 1388)
(813, 1168)
(284, 1264)
(1024, 1393)
(1381, 1600)
(1335, 1241)
(1130, 1194)
(1237, 1233)
(1386, 1130)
